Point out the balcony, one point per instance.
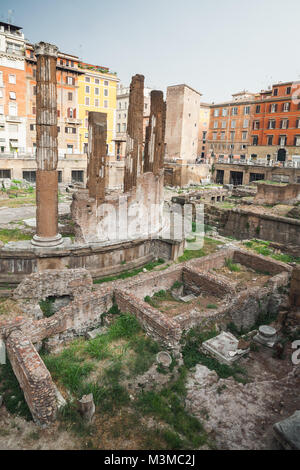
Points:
(13, 119)
(76, 122)
(15, 52)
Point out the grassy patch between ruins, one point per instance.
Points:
(263, 248)
(210, 246)
(13, 235)
(130, 273)
(107, 366)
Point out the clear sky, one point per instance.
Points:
(218, 47)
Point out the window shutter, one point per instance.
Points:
(287, 124)
(68, 112)
(74, 113)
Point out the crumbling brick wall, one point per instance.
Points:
(157, 325)
(198, 283)
(272, 194)
(55, 283)
(34, 378)
(295, 288)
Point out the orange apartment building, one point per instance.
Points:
(275, 134)
(203, 130)
(67, 102)
(230, 127)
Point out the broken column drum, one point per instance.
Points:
(46, 154)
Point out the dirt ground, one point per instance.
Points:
(245, 277)
(241, 417)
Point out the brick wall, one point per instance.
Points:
(34, 378)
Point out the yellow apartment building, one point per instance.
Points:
(97, 92)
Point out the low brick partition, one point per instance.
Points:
(259, 262)
(34, 378)
(165, 330)
(295, 288)
(207, 283)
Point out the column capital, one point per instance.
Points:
(44, 48)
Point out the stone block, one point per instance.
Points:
(287, 432)
(224, 348)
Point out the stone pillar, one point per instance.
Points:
(46, 155)
(134, 143)
(96, 171)
(154, 147)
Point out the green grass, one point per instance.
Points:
(186, 432)
(132, 273)
(209, 247)
(46, 306)
(212, 306)
(231, 265)
(13, 396)
(13, 235)
(263, 248)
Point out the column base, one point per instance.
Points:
(47, 241)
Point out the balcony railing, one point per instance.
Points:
(259, 162)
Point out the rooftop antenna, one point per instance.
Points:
(10, 14)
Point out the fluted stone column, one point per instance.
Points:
(46, 155)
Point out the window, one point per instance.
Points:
(13, 109)
(232, 135)
(70, 80)
(282, 140)
(233, 123)
(216, 112)
(32, 127)
(69, 149)
(105, 92)
(86, 123)
(59, 174)
(97, 103)
(5, 174)
(124, 127)
(272, 124)
(125, 116)
(12, 95)
(77, 176)
(273, 108)
(105, 83)
(87, 101)
(270, 140)
(247, 110)
(97, 91)
(12, 79)
(29, 176)
(215, 124)
(222, 135)
(97, 81)
(105, 104)
(297, 123)
(1, 94)
(70, 96)
(224, 112)
(87, 79)
(285, 107)
(71, 113)
(256, 125)
(214, 136)
(234, 111)
(70, 130)
(284, 124)
(87, 89)
(246, 123)
(257, 109)
(34, 90)
(33, 110)
(255, 140)
(244, 135)
(297, 141)
(275, 92)
(118, 127)
(288, 90)
(223, 124)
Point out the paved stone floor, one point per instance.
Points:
(8, 215)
